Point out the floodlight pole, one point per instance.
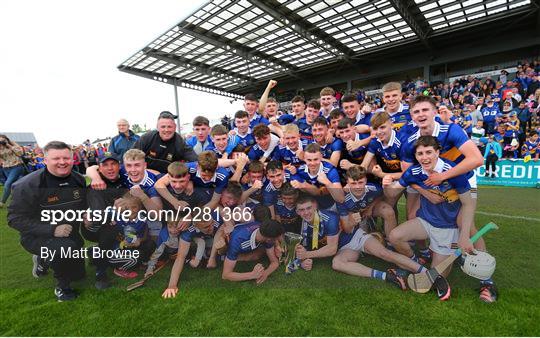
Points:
(176, 104)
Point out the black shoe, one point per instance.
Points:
(65, 295)
(488, 293)
(396, 279)
(39, 269)
(442, 288)
(492, 175)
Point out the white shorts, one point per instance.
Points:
(474, 185)
(154, 227)
(441, 240)
(357, 241)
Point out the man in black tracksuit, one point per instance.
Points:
(104, 233)
(55, 187)
(164, 145)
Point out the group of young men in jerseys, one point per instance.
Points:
(322, 172)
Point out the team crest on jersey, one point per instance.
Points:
(169, 157)
(76, 194)
(393, 156)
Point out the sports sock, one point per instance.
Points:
(486, 281)
(378, 274)
(421, 269)
(414, 258)
(425, 252)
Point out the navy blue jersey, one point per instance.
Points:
(146, 184)
(242, 240)
(303, 175)
(257, 195)
(442, 215)
(256, 153)
(258, 119)
(192, 231)
(328, 149)
(217, 184)
(285, 155)
(286, 214)
(271, 194)
(247, 140)
(305, 129)
(400, 118)
(328, 226)
(357, 155)
(138, 226)
(362, 118)
(388, 157)
(353, 204)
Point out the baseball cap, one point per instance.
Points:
(513, 113)
(499, 115)
(109, 156)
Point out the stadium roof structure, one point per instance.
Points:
(231, 47)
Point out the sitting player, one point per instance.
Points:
(319, 230)
(167, 244)
(364, 200)
(436, 222)
(285, 208)
(135, 245)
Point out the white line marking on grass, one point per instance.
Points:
(532, 219)
(508, 216)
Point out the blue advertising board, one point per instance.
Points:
(514, 173)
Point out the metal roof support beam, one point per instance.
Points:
(303, 27)
(412, 15)
(179, 82)
(238, 48)
(200, 67)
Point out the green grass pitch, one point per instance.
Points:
(317, 303)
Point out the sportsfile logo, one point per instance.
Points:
(114, 214)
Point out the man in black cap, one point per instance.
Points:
(39, 210)
(104, 233)
(164, 145)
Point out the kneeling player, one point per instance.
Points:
(436, 222)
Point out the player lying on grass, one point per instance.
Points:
(436, 222)
(245, 245)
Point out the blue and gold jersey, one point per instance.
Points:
(442, 215)
(450, 136)
(388, 157)
(328, 226)
(354, 204)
